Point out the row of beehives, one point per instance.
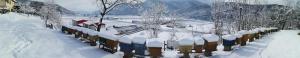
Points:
(138, 45)
(110, 43)
(242, 37)
(209, 42)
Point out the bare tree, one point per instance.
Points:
(50, 15)
(154, 17)
(105, 6)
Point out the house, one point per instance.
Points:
(7, 6)
(78, 22)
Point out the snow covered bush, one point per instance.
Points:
(154, 17)
(50, 15)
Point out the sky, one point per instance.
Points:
(90, 5)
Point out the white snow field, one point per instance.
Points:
(26, 37)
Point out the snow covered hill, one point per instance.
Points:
(23, 36)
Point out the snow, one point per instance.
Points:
(282, 44)
(26, 37)
(23, 36)
(139, 40)
(170, 54)
(125, 39)
(238, 35)
(243, 32)
(108, 36)
(229, 37)
(86, 30)
(211, 37)
(154, 43)
(199, 40)
(187, 41)
(90, 22)
(285, 44)
(92, 32)
(68, 26)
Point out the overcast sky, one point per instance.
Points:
(90, 5)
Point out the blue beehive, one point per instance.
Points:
(139, 44)
(125, 47)
(139, 49)
(102, 41)
(228, 42)
(63, 28)
(125, 44)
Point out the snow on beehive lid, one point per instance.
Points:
(76, 28)
(92, 32)
(139, 40)
(109, 30)
(71, 27)
(154, 43)
(238, 35)
(263, 29)
(229, 37)
(243, 32)
(125, 39)
(273, 28)
(67, 25)
(211, 37)
(186, 41)
(86, 30)
(81, 29)
(107, 36)
(256, 30)
(199, 40)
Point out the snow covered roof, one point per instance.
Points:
(154, 43)
(186, 41)
(211, 37)
(139, 40)
(90, 22)
(199, 40)
(229, 37)
(125, 39)
(78, 19)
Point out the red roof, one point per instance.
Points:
(81, 21)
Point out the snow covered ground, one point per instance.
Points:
(26, 37)
(282, 44)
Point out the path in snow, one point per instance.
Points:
(285, 45)
(282, 44)
(26, 37)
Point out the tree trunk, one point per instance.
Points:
(283, 25)
(100, 22)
